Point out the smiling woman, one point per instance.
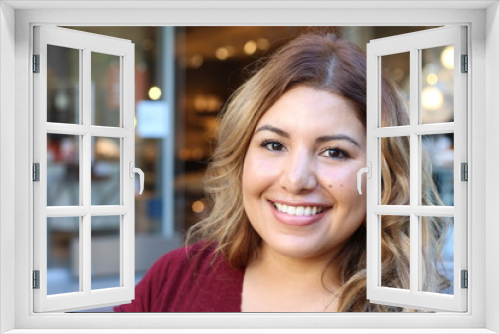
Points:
(287, 227)
(298, 196)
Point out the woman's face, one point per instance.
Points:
(299, 174)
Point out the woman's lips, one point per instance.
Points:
(297, 220)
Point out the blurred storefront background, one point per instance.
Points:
(183, 77)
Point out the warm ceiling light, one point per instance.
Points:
(222, 53)
(263, 44)
(154, 93)
(230, 50)
(432, 78)
(197, 206)
(250, 47)
(432, 98)
(200, 102)
(447, 57)
(196, 61)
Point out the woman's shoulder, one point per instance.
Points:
(189, 279)
(196, 279)
(189, 267)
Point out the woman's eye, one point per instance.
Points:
(335, 153)
(273, 146)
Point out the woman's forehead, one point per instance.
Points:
(308, 106)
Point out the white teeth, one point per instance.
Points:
(298, 210)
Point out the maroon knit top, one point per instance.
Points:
(186, 280)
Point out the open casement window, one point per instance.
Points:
(77, 149)
(436, 135)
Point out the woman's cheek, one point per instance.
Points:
(260, 166)
(339, 179)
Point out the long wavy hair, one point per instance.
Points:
(322, 61)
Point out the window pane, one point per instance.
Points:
(105, 89)
(437, 169)
(63, 170)
(63, 84)
(396, 67)
(105, 260)
(63, 268)
(437, 254)
(437, 84)
(106, 183)
(395, 170)
(395, 252)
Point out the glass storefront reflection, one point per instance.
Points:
(105, 171)
(437, 85)
(106, 93)
(440, 159)
(63, 85)
(63, 170)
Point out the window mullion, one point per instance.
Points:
(85, 242)
(434, 128)
(109, 132)
(122, 174)
(422, 210)
(414, 168)
(396, 131)
(419, 164)
(419, 129)
(67, 129)
(108, 210)
(81, 176)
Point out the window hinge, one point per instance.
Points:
(36, 63)
(36, 172)
(36, 279)
(465, 64)
(465, 279)
(464, 171)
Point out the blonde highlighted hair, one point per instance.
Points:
(322, 61)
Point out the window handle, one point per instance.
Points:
(141, 175)
(367, 170)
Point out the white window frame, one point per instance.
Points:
(16, 21)
(413, 44)
(85, 44)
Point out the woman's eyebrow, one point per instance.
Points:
(337, 137)
(273, 129)
(321, 139)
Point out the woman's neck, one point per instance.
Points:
(274, 282)
(273, 264)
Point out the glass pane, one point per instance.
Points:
(437, 170)
(105, 258)
(395, 170)
(105, 89)
(437, 84)
(63, 170)
(437, 254)
(63, 270)
(395, 252)
(105, 169)
(396, 68)
(63, 85)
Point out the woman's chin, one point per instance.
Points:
(297, 249)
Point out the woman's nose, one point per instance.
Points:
(298, 173)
